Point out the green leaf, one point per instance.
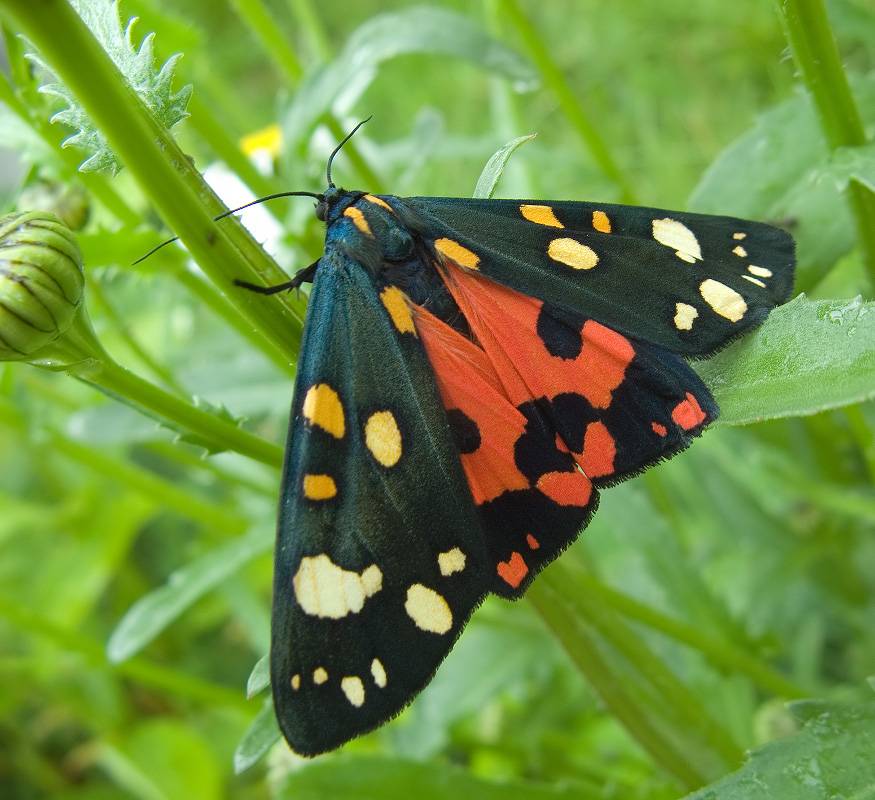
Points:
(491, 174)
(260, 736)
(852, 163)
(774, 173)
(372, 777)
(808, 356)
(137, 65)
(830, 758)
(176, 760)
(152, 613)
(259, 678)
(421, 29)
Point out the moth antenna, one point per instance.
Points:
(337, 149)
(228, 213)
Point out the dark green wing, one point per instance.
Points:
(687, 282)
(380, 559)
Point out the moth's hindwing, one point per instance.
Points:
(380, 559)
(686, 282)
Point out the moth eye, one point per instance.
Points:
(322, 210)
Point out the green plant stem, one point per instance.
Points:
(680, 702)
(722, 655)
(308, 20)
(568, 102)
(175, 187)
(256, 16)
(135, 668)
(222, 307)
(551, 604)
(119, 382)
(816, 53)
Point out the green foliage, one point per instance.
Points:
(138, 67)
(134, 567)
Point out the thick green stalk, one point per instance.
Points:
(164, 172)
(722, 655)
(816, 53)
(568, 102)
(219, 433)
(551, 603)
(308, 20)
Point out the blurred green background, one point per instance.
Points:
(135, 574)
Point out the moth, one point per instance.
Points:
(472, 373)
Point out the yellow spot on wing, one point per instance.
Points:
(354, 689)
(760, 272)
(319, 487)
(724, 300)
(755, 281)
(395, 303)
(296, 681)
(383, 438)
(684, 316)
(453, 251)
(678, 237)
(601, 222)
(378, 671)
(739, 251)
(428, 609)
(739, 236)
(451, 561)
(540, 215)
(323, 408)
(572, 253)
(358, 219)
(319, 675)
(379, 201)
(323, 589)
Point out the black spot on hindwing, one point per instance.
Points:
(561, 339)
(465, 432)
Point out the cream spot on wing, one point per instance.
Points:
(724, 300)
(684, 315)
(383, 438)
(760, 272)
(452, 250)
(319, 487)
(755, 281)
(323, 408)
(319, 675)
(601, 222)
(326, 590)
(354, 689)
(739, 236)
(395, 302)
(540, 215)
(379, 201)
(678, 237)
(378, 671)
(739, 251)
(296, 681)
(451, 561)
(572, 253)
(358, 219)
(428, 609)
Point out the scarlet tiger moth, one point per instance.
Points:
(471, 373)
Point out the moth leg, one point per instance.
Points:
(305, 275)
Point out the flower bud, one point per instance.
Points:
(41, 283)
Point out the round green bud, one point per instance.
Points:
(41, 283)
